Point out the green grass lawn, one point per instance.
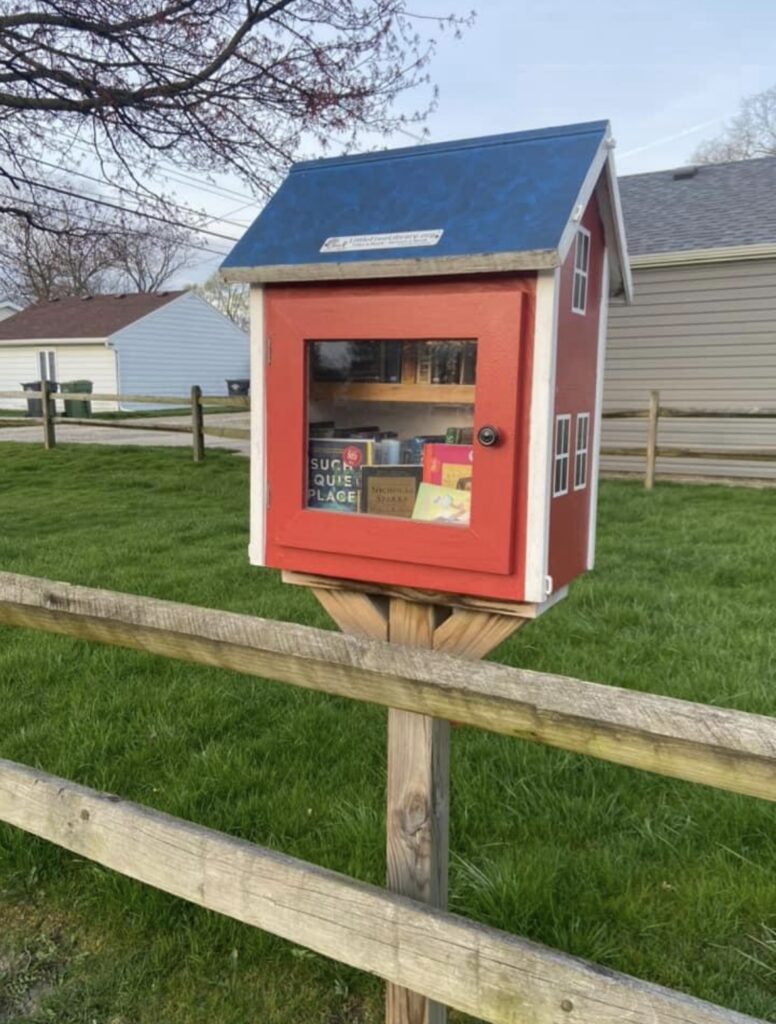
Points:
(671, 882)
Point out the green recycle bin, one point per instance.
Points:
(77, 408)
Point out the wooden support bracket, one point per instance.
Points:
(418, 790)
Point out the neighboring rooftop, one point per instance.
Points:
(712, 206)
(98, 316)
(498, 202)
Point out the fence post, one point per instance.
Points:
(197, 435)
(654, 416)
(47, 407)
(418, 813)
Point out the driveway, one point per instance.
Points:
(94, 434)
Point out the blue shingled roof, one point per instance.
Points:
(500, 194)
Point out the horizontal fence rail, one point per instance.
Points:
(727, 749)
(196, 402)
(476, 969)
(653, 451)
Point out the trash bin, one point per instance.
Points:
(78, 408)
(35, 405)
(239, 388)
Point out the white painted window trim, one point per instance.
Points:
(540, 449)
(259, 485)
(560, 462)
(581, 452)
(581, 273)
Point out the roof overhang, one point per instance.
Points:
(49, 342)
(478, 263)
(601, 179)
(688, 257)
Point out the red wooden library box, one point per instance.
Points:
(428, 329)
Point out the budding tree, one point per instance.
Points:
(213, 85)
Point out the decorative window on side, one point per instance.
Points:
(581, 268)
(580, 451)
(560, 482)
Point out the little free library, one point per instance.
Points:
(428, 328)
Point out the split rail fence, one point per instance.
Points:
(195, 401)
(653, 450)
(478, 970)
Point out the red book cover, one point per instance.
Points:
(448, 465)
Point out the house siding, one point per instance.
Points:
(94, 362)
(703, 336)
(185, 342)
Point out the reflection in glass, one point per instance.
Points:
(390, 428)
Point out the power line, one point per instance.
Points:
(132, 193)
(80, 216)
(124, 209)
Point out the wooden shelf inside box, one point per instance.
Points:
(430, 394)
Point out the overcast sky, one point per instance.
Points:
(666, 73)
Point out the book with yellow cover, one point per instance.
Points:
(435, 504)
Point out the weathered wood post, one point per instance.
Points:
(654, 416)
(418, 786)
(197, 435)
(47, 408)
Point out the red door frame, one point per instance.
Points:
(491, 309)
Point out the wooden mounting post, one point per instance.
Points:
(418, 810)
(654, 415)
(197, 434)
(47, 409)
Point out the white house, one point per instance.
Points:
(8, 308)
(141, 344)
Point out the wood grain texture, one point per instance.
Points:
(403, 268)
(355, 613)
(652, 428)
(522, 610)
(474, 634)
(197, 439)
(428, 394)
(239, 402)
(731, 750)
(478, 970)
(418, 807)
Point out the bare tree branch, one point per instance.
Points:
(213, 85)
(751, 133)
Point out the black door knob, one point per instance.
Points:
(487, 436)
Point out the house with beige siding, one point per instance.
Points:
(702, 327)
(158, 343)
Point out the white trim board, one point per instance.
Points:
(259, 485)
(537, 542)
(594, 456)
(730, 254)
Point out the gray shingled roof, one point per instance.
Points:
(722, 205)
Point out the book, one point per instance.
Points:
(423, 362)
(368, 432)
(412, 447)
(469, 363)
(409, 362)
(448, 465)
(391, 361)
(347, 361)
(459, 435)
(435, 504)
(334, 472)
(389, 490)
(323, 428)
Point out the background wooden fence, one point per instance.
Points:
(479, 970)
(196, 402)
(653, 450)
